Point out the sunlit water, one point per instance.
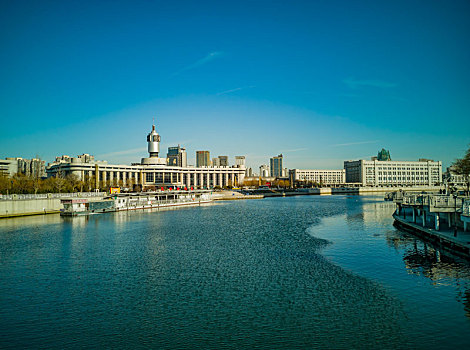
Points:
(297, 272)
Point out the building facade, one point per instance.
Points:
(384, 155)
(203, 158)
(8, 166)
(177, 156)
(264, 170)
(240, 161)
(30, 167)
(393, 173)
(275, 164)
(324, 177)
(151, 172)
(223, 160)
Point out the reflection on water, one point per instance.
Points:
(424, 259)
(28, 221)
(433, 284)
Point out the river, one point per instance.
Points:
(294, 272)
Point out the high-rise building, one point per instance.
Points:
(276, 166)
(203, 158)
(264, 170)
(223, 160)
(177, 156)
(384, 155)
(240, 161)
(216, 162)
(285, 172)
(32, 167)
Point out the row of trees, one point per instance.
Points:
(23, 184)
(262, 182)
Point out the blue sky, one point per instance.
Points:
(319, 81)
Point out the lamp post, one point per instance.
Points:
(455, 214)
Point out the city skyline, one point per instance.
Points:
(318, 82)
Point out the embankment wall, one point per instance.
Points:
(29, 207)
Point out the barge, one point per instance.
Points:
(134, 201)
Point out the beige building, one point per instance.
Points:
(150, 172)
(393, 173)
(325, 177)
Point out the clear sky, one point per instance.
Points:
(319, 81)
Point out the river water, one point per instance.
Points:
(295, 272)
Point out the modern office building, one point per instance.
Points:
(264, 170)
(223, 160)
(30, 167)
(276, 166)
(151, 172)
(324, 177)
(177, 156)
(203, 158)
(393, 173)
(384, 155)
(215, 162)
(285, 172)
(240, 161)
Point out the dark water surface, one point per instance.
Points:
(297, 272)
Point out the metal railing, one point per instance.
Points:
(11, 197)
(466, 207)
(413, 199)
(437, 201)
(142, 202)
(447, 201)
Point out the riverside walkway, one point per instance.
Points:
(441, 219)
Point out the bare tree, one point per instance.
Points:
(462, 167)
(59, 180)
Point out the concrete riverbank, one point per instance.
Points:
(23, 205)
(30, 204)
(29, 207)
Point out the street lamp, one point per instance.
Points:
(455, 214)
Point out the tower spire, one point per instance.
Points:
(153, 140)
